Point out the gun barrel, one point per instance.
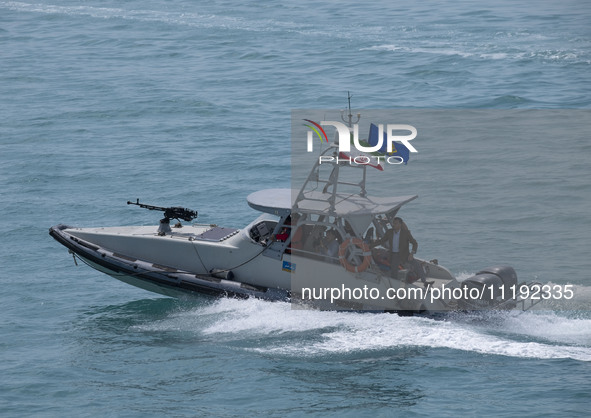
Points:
(174, 212)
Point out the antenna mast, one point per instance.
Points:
(349, 120)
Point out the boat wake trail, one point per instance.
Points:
(274, 328)
(174, 18)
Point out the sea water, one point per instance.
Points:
(188, 104)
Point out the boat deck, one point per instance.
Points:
(195, 232)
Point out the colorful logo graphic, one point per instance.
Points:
(315, 128)
(379, 145)
(289, 267)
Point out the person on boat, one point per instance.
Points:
(332, 244)
(283, 235)
(399, 239)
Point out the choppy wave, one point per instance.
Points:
(179, 18)
(506, 46)
(540, 335)
(193, 19)
(489, 52)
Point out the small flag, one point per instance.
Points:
(398, 149)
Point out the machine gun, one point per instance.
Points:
(174, 212)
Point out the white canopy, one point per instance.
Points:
(274, 201)
(279, 202)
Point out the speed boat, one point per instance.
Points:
(285, 254)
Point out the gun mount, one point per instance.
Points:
(173, 212)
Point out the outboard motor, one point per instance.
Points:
(492, 287)
(506, 273)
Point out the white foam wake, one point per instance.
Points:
(527, 335)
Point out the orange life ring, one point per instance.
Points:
(366, 255)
